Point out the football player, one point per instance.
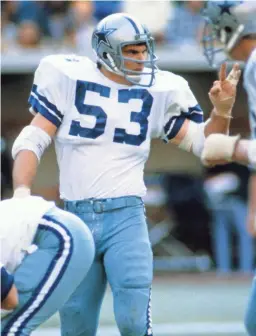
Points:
(45, 254)
(102, 117)
(233, 24)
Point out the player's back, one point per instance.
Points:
(19, 219)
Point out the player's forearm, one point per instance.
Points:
(241, 152)
(27, 150)
(252, 197)
(24, 169)
(216, 124)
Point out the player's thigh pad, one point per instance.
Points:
(128, 257)
(129, 267)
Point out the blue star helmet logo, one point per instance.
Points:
(102, 36)
(226, 5)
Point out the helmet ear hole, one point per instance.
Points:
(105, 56)
(228, 30)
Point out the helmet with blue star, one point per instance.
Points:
(109, 38)
(226, 23)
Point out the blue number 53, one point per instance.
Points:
(124, 96)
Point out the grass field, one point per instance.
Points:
(194, 304)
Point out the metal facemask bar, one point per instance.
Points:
(210, 39)
(134, 77)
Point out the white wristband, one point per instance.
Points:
(223, 115)
(22, 191)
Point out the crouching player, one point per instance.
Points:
(49, 252)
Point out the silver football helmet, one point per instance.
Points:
(227, 22)
(111, 35)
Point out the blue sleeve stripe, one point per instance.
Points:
(194, 113)
(196, 108)
(176, 126)
(46, 102)
(197, 118)
(169, 124)
(173, 126)
(38, 108)
(7, 281)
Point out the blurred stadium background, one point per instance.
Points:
(202, 276)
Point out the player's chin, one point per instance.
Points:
(138, 70)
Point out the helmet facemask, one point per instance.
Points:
(217, 40)
(117, 63)
(226, 24)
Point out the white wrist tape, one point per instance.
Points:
(21, 191)
(194, 138)
(252, 153)
(219, 147)
(31, 138)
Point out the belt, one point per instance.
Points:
(102, 205)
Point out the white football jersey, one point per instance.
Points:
(105, 128)
(250, 87)
(19, 219)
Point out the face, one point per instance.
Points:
(241, 50)
(137, 53)
(234, 54)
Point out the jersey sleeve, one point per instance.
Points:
(182, 105)
(47, 97)
(7, 281)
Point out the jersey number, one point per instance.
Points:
(120, 134)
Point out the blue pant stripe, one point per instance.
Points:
(51, 279)
(149, 318)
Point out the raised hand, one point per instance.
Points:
(223, 91)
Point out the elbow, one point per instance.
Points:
(194, 138)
